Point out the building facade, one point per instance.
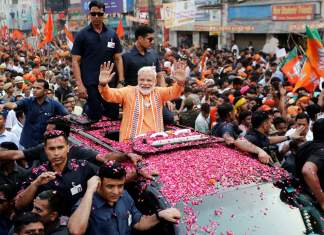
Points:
(243, 21)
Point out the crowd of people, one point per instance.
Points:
(240, 96)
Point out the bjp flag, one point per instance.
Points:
(315, 51)
(309, 78)
(292, 66)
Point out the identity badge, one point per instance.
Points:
(111, 44)
(130, 219)
(76, 189)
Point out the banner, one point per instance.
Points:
(178, 13)
(293, 12)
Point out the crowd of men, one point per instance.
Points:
(240, 96)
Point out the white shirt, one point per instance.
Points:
(7, 136)
(16, 130)
(202, 124)
(11, 119)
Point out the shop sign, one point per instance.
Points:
(293, 12)
(130, 18)
(302, 26)
(227, 28)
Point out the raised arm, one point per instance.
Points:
(114, 95)
(79, 220)
(170, 93)
(26, 197)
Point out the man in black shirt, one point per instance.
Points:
(64, 88)
(10, 171)
(141, 55)
(227, 129)
(310, 162)
(94, 45)
(68, 176)
(258, 135)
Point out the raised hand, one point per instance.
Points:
(93, 183)
(180, 72)
(106, 74)
(44, 178)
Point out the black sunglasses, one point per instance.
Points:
(96, 13)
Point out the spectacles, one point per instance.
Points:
(96, 13)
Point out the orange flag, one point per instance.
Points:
(315, 50)
(48, 31)
(35, 31)
(309, 78)
(17, 34)
(120, 30)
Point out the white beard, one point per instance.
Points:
(145, 91)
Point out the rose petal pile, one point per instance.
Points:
(185, 174)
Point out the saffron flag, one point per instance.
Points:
(17, 34)
(315, 51)
(35, 31)
(48, 31)
(292, 66)
(69, 37)
(203, 63)
(120, 30)
(309, 78)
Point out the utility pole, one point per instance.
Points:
(153, 21)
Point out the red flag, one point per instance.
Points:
(120, 30)
(48, 31)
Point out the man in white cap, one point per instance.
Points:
(19, 84)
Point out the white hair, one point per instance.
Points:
(147, 69)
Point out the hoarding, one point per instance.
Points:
(178, 13)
